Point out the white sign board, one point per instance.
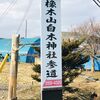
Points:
(51, 68)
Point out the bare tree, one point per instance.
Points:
(91, 32)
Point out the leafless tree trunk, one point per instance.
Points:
(93, 66)
(91, 31)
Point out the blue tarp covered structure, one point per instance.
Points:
(26, 53)
(88, 65)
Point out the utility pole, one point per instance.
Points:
(26, 30)
(13, 68)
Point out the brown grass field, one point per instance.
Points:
(27, 89)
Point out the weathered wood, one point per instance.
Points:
(13, 68)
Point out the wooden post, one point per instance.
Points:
(13, 68)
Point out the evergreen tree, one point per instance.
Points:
(36, 69)
(72, 58)
(72, 55)
(36, 73)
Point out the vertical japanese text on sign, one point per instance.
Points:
(51, 44)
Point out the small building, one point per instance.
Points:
(26, 53)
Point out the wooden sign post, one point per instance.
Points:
(51, 68)
(13, 68)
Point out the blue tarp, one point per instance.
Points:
(25, 52)
(88, 65)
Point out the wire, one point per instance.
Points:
(8, 8)
(25, 15)
(97, 2)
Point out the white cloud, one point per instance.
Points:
(73, 12)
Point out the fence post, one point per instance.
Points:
(13, 68)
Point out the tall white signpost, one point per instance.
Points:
(51, 68)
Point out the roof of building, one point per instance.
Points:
(5, 44)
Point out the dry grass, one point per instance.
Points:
(27, 89)
(86, 87)
(94, 75)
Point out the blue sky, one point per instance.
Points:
(73, 13)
